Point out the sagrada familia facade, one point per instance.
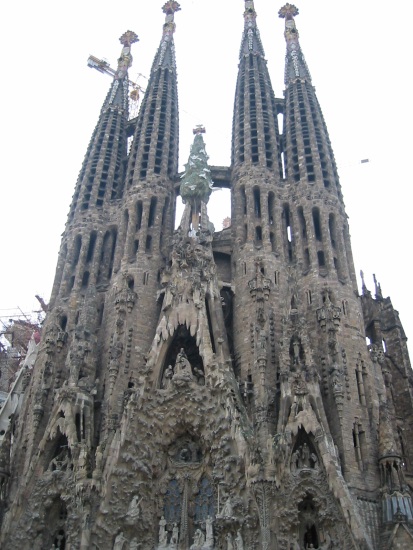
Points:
(200, 389)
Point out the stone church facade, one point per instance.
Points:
(203, 390)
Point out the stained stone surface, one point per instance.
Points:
(212, 390)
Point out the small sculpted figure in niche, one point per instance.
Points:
(230, 543)
(134, 510)
(163, 533)
(199, 540)
(119, 542)
(182, 365)
(303, 458)
(227, 511)
(174, 536)
(209, 532)
(167, 377)
(60, 462)
(239, 543)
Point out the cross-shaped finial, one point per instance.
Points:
(199, 129)
(288, 11)
(171, 7)
(128, 38)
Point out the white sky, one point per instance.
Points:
(359, 55)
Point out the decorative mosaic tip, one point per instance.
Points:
(288, 11)
(249, 8)
(171, 7)
(199, 129)
(128, 38)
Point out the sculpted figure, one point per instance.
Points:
(239, 543)
(134, 510)
(199, 540)
(174, 536)
(163, 533)
(119, 542)
(305, 455)
(230, 543)
(209, 533)
(226, 511)
(169, 372)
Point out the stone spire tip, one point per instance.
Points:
(171, 7)
(288, 11)
(128, 38)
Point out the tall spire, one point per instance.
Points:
(295, 66)
(255, 136)
(98, 182)
(155, 143)
(251, 41)
(308, 153)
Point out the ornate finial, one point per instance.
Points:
(171, 7)
(288, 11)
(250, 15)
(200, 129)
(128, 38)
(125, 60)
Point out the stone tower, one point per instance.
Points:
(211, 390)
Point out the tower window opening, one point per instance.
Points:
(146, 278)
(257, 202)
(271, 208)
(139, 209)
(135, 246)
(384, 345)
(321, 258)
(243, 200)
(317, 224)
(78, 247)
(283, 165)
(148, 245)
(91, 248)
(258, 234)
(85, 279)
(277, 277)
(303, 224)
(152, 211)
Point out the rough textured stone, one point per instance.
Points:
(200, 390)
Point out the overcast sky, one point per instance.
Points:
(359, 55)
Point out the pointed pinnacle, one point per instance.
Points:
(288, 11)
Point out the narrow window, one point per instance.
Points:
(317, 224)
(257, 202)
(152, 212)
(138, 215)
(91, 248)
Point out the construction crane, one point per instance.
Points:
(102, 65)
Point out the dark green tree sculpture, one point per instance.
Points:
(196, 185)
